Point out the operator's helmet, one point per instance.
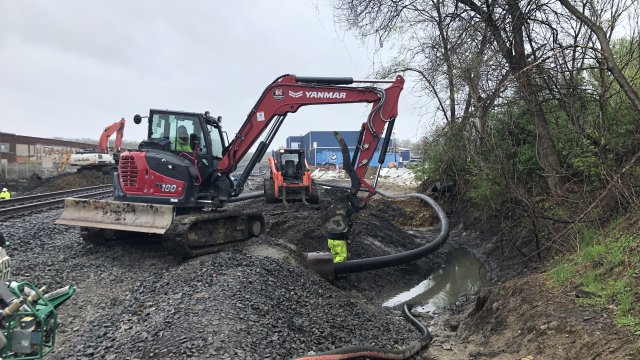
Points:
(4, 189)
(182, 132)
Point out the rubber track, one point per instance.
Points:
(181, 236)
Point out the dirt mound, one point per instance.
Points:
(67, 182)
(380, 223)
(407, 213)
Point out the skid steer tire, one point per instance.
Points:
(269, 191)
(314, 197)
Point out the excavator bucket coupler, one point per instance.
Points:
(116, 215)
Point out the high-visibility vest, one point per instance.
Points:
(338, 250)
(5, 195)
(338, 245)
(183, 146)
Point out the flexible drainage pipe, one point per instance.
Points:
(360, 351)
(247, 196)
(380, 262)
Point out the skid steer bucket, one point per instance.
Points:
(116, 215)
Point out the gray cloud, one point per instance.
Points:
(70, 67)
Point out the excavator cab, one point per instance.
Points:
(184, 132)
(290, 178)
(180, 154)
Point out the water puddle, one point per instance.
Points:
(461, 273)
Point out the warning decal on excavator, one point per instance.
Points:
(278, 94)
(260, 115)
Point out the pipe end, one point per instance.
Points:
(322, 263)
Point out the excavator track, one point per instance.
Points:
(191, 235)
(208, 232)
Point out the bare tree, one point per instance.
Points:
(507, 22)
(502, 24)
(605, 46)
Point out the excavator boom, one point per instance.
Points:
(289, 92)
(118, 128)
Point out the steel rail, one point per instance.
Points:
(63, 193)
(50, 200)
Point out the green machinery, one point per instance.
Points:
(28, 316)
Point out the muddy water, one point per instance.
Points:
(461, 273)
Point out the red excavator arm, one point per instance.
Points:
(289, 92)
(116, 127)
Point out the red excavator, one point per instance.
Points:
(185, 167)
(290, 178)
(102, 160)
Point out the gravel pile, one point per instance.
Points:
(138, 302)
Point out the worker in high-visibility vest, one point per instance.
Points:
(337, 228)
(5, 194)
(182, 141)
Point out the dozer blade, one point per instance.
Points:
(116, 215)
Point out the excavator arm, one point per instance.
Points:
(118, 128)
(289, 92)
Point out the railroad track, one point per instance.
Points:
(27, 204)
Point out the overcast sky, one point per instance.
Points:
(68, 68)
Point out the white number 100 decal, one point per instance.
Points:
(168, 188)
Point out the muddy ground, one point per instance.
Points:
(256, 300)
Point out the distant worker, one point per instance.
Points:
(337, 228)
(182, 142)
(5, 194)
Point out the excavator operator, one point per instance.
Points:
(182, 141)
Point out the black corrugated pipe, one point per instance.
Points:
(381, 262)
(370, 352)
(247, 196)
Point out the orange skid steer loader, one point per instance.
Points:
(290, 178)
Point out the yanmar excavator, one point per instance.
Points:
(102, 160)
(164, 186)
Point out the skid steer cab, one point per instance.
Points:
(290, 178)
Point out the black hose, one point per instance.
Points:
(248, 196)
(360, 351)
(380, 262)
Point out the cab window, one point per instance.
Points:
(216, 141)
(178, 129)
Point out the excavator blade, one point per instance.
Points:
(117, 215)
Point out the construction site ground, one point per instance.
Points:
(256, 300)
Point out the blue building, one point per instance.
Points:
(321, 148)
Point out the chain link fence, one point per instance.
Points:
(15, 171)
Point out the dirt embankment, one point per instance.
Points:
(35, 184)
(518, 316)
